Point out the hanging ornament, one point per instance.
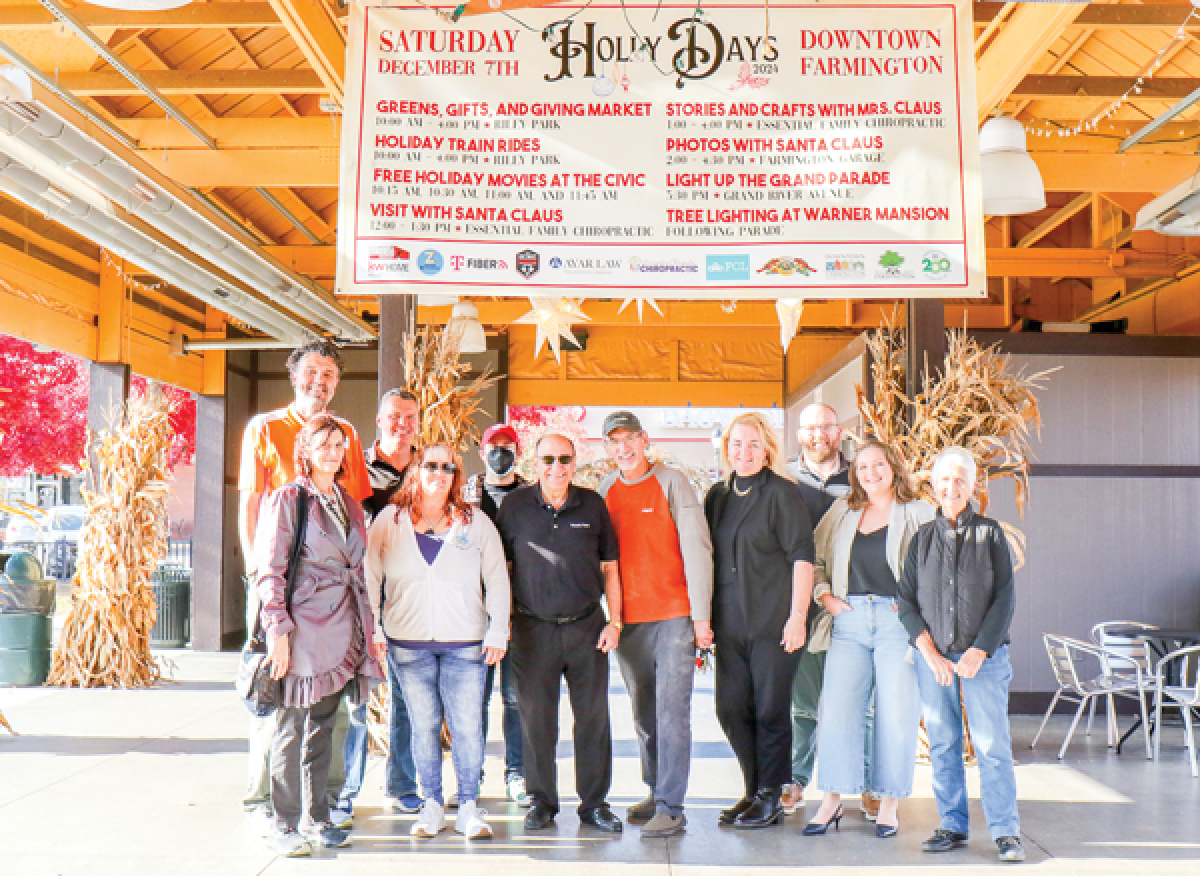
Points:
(640, 301)
(553, 318)
(788, 310)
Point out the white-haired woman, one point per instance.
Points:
(956, 600)
(763, 562)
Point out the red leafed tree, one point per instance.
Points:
(44, 415)
(183, 420)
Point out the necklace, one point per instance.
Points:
(733, 483)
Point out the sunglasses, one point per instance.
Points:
(446, 467)
(565, 459)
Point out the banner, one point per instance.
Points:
(814, 151)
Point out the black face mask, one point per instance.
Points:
(500, 461)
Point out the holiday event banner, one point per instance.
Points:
(824, 150)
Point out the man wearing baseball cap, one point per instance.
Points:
(667, 579)
(498, 449)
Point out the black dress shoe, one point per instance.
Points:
(602, 818)
(766, 810)
(540, 816)
(729, 816)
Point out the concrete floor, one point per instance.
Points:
(149, 782)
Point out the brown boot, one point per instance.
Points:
(870, 805)
(793, 798)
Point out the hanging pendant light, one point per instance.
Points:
(1012, 183)
(466, 315)
(140, 5)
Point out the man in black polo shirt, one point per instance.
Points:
(563, 551)
(823, 476)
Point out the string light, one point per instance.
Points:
(1093, 123)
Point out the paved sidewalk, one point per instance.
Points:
(149, 782)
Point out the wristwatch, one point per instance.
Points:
(617, 624)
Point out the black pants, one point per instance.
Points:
(301, 751)
(542, 654)
(754, 706)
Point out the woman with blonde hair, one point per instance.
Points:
(861, 545)
(439, 585)
(763, 562)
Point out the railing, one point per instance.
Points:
(58, 558)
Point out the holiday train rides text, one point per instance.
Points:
(702, 50)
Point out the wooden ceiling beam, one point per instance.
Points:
(196, 15)
(1063, 214)
(248, 168)
(1103, 87)
(1012, 53)
(194, 82)
(320, 39)
(1110, 17)
(241, 133)
(1131, 172)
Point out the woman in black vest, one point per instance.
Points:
(763, 558)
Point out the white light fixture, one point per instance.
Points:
(141, 5)
(473, 338)
(15, 85)
(1012, 183)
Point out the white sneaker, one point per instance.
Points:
(341, 815)
(470, 822)
(290, 844)
(431, 821)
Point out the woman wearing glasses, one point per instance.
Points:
(440, 629)
(763, 562)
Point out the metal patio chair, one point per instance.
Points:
(1066, 655)
(1182, 667)
(1132, 647)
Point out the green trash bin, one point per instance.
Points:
(173, 593)
(26, 622)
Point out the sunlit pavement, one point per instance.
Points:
(149, 782)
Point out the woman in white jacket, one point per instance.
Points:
(861, 543)
(438, 585)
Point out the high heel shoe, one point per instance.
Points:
(817, 829)
(886, 831)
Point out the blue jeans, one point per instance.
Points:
(513, 765)
(401, 779)
(444, 682)
(986, 699)
(869, 650)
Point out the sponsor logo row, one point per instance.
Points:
(890, 265)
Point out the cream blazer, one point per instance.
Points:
(835, 537)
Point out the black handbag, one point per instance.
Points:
(261, 693)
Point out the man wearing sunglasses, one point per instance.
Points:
(563, 550)
(667, 586)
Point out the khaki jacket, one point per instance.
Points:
(835, 537)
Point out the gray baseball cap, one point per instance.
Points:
(620, 420)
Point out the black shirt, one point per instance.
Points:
(385, 481)
(489, 497)
(724, 551)
(556, 553)
(869, 569)
(820, 493)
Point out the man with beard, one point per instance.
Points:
(388, 460)
(823, 476)
(498, 449)
(267, 464)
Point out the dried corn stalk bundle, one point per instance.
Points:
(435, 375)
(106, 639)
(976, 402)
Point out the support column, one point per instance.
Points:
(113, 311)
(397, 319)
(208, 553)
(108, 387)
(926, 322)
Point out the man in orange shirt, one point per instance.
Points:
(667, 580)
(267, 464)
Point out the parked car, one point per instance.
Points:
(64, 523)
(21, 530)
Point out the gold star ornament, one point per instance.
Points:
(552, 317)
(788, 310)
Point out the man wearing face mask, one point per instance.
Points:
(498, 450)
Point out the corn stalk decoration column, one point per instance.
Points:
(106, 639)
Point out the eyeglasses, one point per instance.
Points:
(627, 441)
(564, 459)
(446, 467)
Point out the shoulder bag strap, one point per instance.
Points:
(298, 537)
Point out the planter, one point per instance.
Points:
(172, 592)
(25, 642)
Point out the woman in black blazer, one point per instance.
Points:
(763, 558)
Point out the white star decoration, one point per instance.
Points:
(552, 318)
(640, 301)
(788, 310)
